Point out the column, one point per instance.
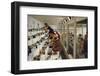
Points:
(75, 39)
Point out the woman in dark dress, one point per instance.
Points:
(55, 42)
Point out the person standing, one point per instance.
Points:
(55, 42)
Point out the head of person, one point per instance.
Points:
(46, 24)
(47, 27)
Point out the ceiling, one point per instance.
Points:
(55, 20)
(51, 20)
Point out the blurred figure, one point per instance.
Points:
(29, 50)
(70, 43)
(80, 47)
(86, 45)
(56, 45)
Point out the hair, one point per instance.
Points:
(49, 28)
(46, 24)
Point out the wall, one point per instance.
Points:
(34, 23)
(5, 38)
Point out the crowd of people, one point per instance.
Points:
(51, 45)
(81, 45)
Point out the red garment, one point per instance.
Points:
(57, 46)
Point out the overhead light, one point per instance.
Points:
(69, 18)
(66, 20)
